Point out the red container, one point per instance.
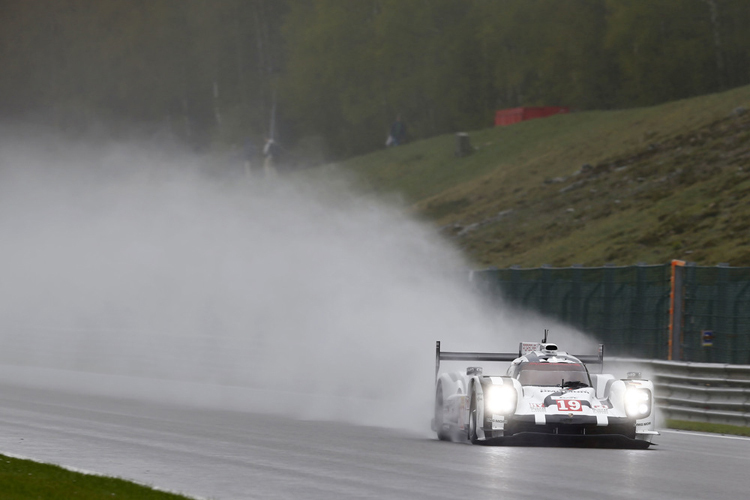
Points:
(510, 116)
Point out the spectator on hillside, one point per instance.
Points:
(270, 152)
(397, 135)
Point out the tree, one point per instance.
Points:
(217, 72)
(663, 50)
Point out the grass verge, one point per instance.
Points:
(25, 480)
(688, 425)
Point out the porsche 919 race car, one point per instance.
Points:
(547, 397)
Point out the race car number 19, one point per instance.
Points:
(568, 405)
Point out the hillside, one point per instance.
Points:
(639, 185)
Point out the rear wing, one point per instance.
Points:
(593, 359)
(523, 348)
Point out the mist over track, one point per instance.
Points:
(152, 273)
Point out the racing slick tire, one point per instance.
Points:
(472, 427)
(442, 433)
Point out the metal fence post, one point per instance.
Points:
(724, 303)
(545, 305)
(740, 326)
(576, 315)
(610, 325)
(677, 301)
(637, 306)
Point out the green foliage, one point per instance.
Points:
(542, 54)
(213, 72)
(353, 66)
(175, 64)
(663, 49)
(27, 480)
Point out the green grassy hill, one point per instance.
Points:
(638, 185)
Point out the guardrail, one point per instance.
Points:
(703, 392)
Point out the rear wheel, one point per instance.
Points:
(440, 427)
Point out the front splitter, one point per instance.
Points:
(569, 440)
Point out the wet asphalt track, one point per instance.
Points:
(233, 455)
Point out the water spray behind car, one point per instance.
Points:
(145, 272)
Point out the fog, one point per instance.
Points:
(152, 273)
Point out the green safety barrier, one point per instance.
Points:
(671, 311)
(717, 315)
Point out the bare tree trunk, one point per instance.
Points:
(186, 120)
(718, 53)
(240, 62)
(217, 109)
(260, 40)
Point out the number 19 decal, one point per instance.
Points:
(568, 405)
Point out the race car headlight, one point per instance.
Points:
(637, 402)
(500, 399)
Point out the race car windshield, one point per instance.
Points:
(553, 374)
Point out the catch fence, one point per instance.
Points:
(672, 311)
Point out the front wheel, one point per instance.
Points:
(472, 431)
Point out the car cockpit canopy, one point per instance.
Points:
(550, 373)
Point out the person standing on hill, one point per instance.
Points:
(269, 152)
(397, 134)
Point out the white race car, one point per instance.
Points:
(547, 397)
